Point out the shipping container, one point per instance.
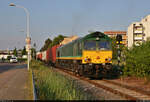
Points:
(53, 53)
(39, 56)
(44, 56)
(48, 55)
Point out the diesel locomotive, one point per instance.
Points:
(89, 56)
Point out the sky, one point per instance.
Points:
(49, 18)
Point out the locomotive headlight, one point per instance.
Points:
(97, 38)
(85, 59)
(109, 59)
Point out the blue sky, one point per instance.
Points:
(49, 18)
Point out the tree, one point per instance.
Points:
(114, 48)
(57, 40)
(24, 52)
(138, 61)
(8, 57)
(33, 53)
(46, 44)
(15, 52)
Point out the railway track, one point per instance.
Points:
(125, 91)
(129, 87)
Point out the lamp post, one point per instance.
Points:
(28, 39)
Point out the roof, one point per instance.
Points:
(95, 35)
(114, 32)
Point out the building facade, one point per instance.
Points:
(139, 32)
(115, 33)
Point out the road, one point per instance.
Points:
(13, 81)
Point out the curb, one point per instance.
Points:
(33, 85)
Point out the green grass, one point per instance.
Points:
(52, 85)
(29, 86)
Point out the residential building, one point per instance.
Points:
(139, 32)
(115, 33)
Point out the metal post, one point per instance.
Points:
(28, 39)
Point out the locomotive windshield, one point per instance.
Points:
(104, 45)
(90, 45)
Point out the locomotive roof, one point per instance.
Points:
(91, 36)
(95, 35)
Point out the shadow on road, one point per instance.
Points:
(10, 66)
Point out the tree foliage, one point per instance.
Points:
(24, 52)
(46, 44)
(15, 52)
(114, 48)
(57, 40)
(33, 53)
(138, 60)
(49, 43)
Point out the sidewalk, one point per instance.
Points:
(14, 84)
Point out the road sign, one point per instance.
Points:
(28, 47)
(28, 40)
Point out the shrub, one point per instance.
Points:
(138, 60)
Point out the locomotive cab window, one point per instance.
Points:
(104, 45)
(90, 45)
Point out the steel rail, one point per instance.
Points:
(128, 87)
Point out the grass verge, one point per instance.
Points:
(29, 86)
(51, 85)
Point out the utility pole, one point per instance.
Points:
(28, 39)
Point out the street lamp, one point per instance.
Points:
(28, 39)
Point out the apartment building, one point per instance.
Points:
(139, 32)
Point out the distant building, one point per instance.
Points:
(115, 33)
(5, 53)
(139, 32)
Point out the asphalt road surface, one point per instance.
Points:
(13, 79)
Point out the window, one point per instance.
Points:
(103, 45)
(90, 45)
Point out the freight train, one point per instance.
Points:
(89, 56)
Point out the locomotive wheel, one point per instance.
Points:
(80, 67)
(77, 70)
(109, 71)
(75, 67)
